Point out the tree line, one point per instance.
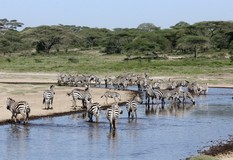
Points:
(182, 38)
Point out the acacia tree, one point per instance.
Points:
(5, 24)
(193, 43)
(45, 45)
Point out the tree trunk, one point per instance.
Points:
(195, 54)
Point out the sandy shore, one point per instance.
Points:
(30, 87)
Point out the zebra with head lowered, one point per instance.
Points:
(112, 115)
(132, 106)
(48, 96)
(79, 94)
(111, 94)
(16, 108)
(93, 109)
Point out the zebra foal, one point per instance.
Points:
(112, 115)
(16, 108)
(48, 96)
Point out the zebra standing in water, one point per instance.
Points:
(132, 106)
(48, 96)
(93, 109)
(111, 94)
(112, 115)
(16, 108)
(83, 95)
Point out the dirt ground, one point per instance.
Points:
(30, 87)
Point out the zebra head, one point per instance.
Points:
(138, 99)
(116, 106)
(51, 88)
(9, 103)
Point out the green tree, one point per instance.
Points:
(148, 27)
(193, 43)
(45, 45)
(181, 24)
(6, 24)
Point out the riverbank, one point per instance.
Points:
(30, 87)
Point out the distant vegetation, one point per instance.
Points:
(147, 46)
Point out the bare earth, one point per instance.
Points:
(21, 86)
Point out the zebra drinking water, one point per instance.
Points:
(132, 106)
(112, 115)
(93, 109)
(48, 96)
(16, 108)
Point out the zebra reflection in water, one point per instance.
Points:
(175, 109)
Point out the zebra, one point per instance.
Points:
(111, 94)
(185, 95)
(48, 96)
(112, 115)
(162, 95)
(16, 108)
(79, 94)
(132, 106)
(153, 94)
(93, 109)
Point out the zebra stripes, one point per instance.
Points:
(16, 108)
(48, 96)
(83, 95)
(111, 94)
(93, 109)
(112, 115)
(132, 106)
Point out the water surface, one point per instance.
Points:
(171, 133)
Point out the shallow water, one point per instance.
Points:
(165, 134)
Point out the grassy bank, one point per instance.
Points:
(93, 62)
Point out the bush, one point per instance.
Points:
(73, 60)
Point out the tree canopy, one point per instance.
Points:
(147, 37)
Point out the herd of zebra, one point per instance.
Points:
(155, 91)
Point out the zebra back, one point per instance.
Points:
(113, 112)
(79, 94)
(93, 109)
(16, 108)
(48, 94)
(132, 106)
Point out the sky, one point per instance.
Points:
(115, 13)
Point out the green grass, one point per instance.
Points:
(96, 63)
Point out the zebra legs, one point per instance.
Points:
(14, 116)
(132, 114)
(90, 117)
(113, 124)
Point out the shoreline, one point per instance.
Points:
(30, 87)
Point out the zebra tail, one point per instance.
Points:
(28, 110)
(114, 123)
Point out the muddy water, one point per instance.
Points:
(171, 133)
